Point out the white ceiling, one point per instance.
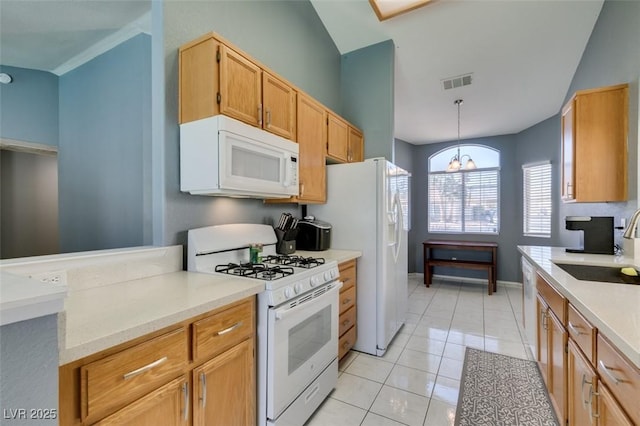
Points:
(522, 53)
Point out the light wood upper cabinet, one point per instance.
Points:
(199, 80)
(594, 145)
(216, 78)
(279, 110)
(312, 134)
(337, 138)
(222, 387)
(355, 150)
(240, 87)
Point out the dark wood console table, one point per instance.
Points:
(490, 266)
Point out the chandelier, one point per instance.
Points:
(455, 163)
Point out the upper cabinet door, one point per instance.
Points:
(312, 136)
(594, 145)
(356, 146)
(199, 80)
(279, 111)
(567, 190)
(337, 138)
(240, 87)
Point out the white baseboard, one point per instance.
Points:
(480, 281)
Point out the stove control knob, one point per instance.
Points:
(334, 274)
(315, 280)
(327, 276)
(288, 292)
(298, 288)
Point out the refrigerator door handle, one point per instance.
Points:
(397, 207)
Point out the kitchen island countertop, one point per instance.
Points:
(614, 309)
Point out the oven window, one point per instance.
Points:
(308, 337)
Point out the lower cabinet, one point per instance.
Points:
(200, 371)
(348, 308)
(168, 405)
(582, 388)
(589, 381)
(609, 411)
(222, 387)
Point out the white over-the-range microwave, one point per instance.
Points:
(223, 156)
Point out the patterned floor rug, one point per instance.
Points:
(502, 390)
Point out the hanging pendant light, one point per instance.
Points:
(455, 163)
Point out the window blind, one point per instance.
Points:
(464, 202)
(537, 203)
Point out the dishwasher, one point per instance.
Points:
(529, 303)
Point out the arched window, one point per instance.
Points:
(465, 200)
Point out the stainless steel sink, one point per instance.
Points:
(607, 274)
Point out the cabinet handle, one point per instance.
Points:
(609, 373)
(346, 301)
(141, 370)
(260, 115)
(346, 344)
(185, 393)
(268, 118)
(544, 319)
(574, 329)
(569, 192)
(203, 392)
(584, 382)
(228, 330)
(345, 323)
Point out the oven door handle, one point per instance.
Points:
(282, 313)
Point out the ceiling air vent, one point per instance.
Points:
(458, 81)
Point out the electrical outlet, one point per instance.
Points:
(55, 278)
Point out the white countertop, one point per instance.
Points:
(23, 298)
(101, 317)
(611, 307)
(332, 254)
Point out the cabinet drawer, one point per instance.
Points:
(582, 332)
(122, 377)
(621, 377)
(347, 320)
(554, 299)
(222, 330)
(346, 342)
(348, 274)
(347, 299)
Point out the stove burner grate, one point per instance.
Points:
(257, 271)
(296, 261)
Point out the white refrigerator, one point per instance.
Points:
(368, 208)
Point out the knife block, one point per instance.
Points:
(286, 241)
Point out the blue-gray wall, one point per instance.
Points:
(285, 36)
(509, 223)
(29, 368)
(29, 106)
(367, 96)
(103, 160)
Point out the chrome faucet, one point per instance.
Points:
(629, 233)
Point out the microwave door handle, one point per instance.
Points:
(283, 313)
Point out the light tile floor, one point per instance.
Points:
(417, 381)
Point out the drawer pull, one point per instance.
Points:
(228, 330)
(574, 329)
(346, 301)
(185, 392)
(345, 323)
(346, 344)
(147, 367)
(203, 382)
(609, 373)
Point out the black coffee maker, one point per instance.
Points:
(597, 235)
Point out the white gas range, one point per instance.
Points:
(297, 317)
